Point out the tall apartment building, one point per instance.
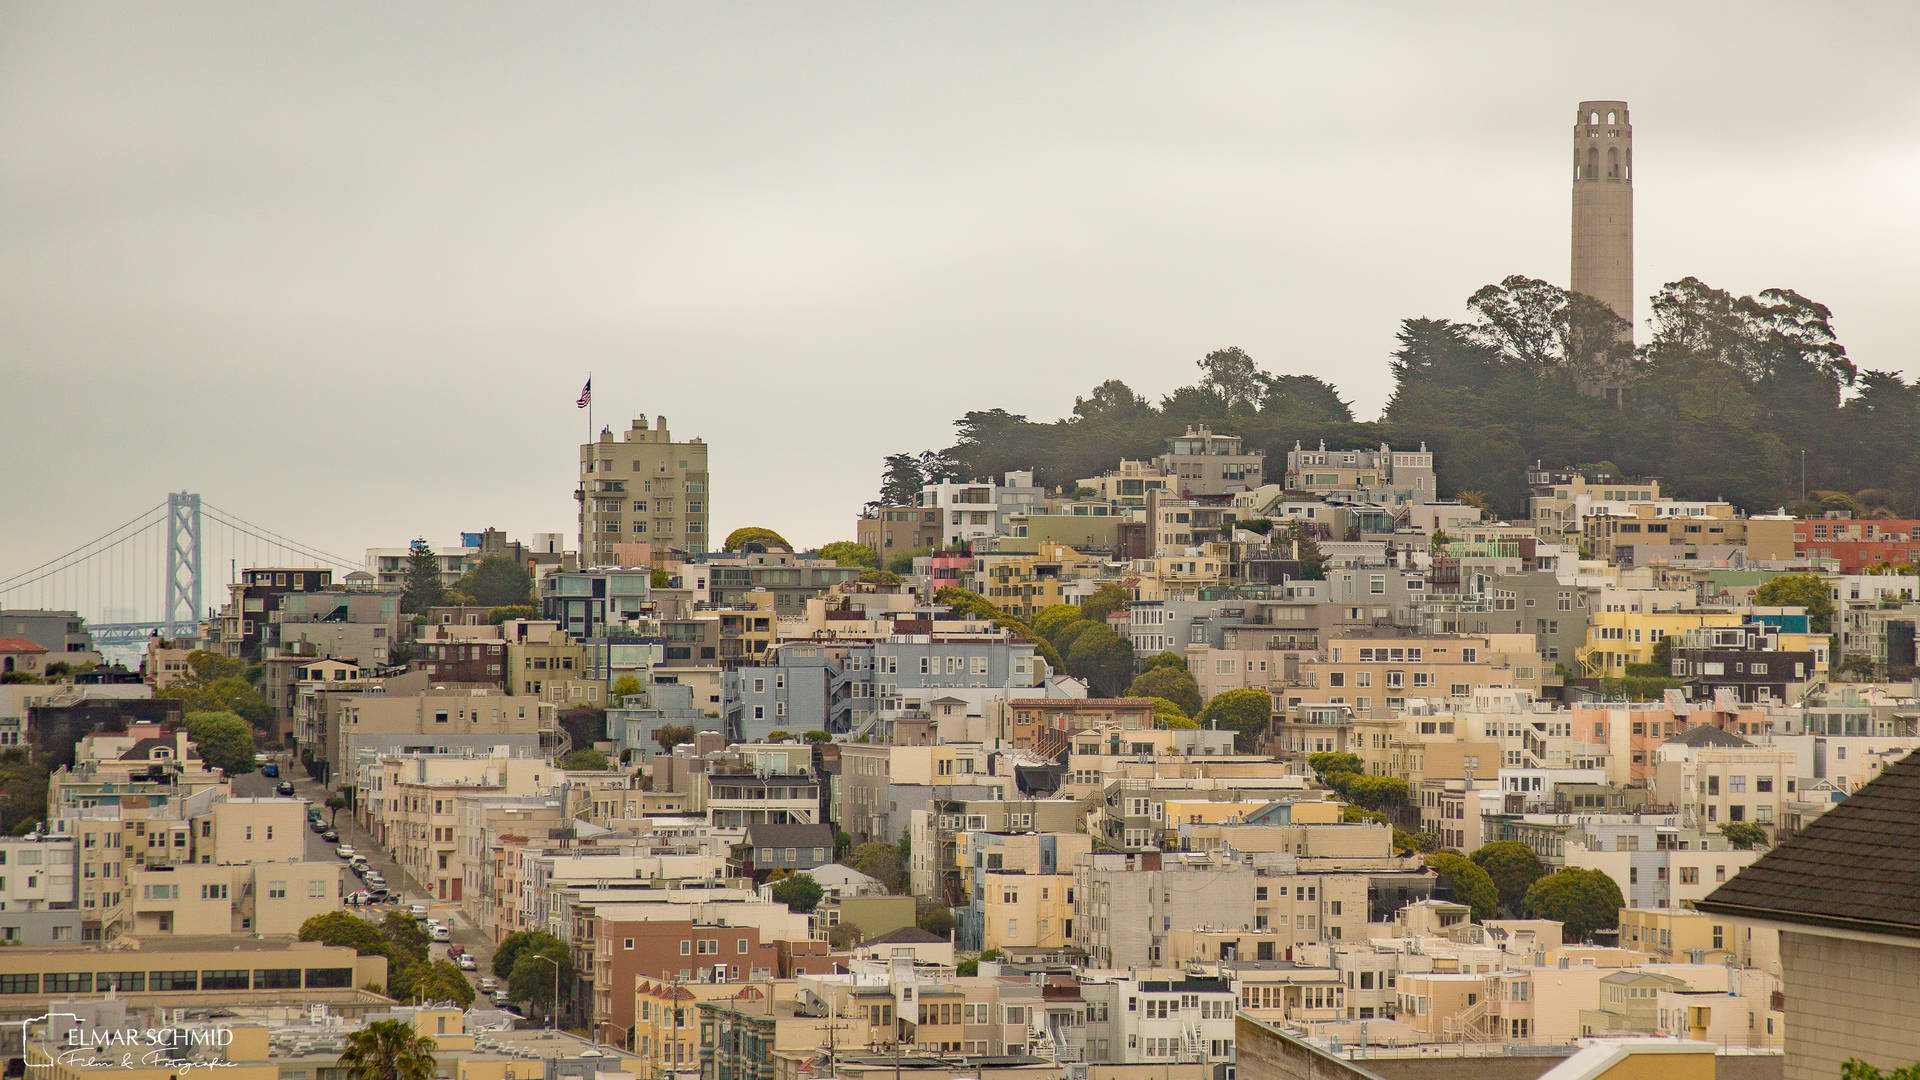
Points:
(642, 496)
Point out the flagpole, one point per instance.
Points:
(589, 406)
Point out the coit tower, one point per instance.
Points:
(1603, 205)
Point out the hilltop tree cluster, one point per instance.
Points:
(1720, 400)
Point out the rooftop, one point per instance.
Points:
(1855, 867)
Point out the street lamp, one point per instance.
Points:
(553, 1011)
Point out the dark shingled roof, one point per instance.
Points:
(1856, 867)
(906, 935)
(1707, 735)
(761, 834)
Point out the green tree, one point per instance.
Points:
(1105, 600)
(1744, 835)
(498, 581)
(533, 979)
(881, 861)
(1171, 683)
(1514, 868)
(625, 685)
(800, 893)
(1408, 843)
(900, 480)
(1799, 590)
(224, 740)
(672, 735)
(1166, 714)
(816, 737)
(521, 941)
(659, 578)
(967, 969)
(442, 981)
(1581, 900)
(501, 614)
(935, 919)
(767, 539)
(1053, 617)
(1166, 660)
(870, 576)
(388, 1050)
(585, 759)
(1232, 376)
(1855, 1069)
(1246, 712)
(849, 553)
(423, 588)
(779, 736)
(341, 929)
(1066, 634)
(901, 562)
(1104, 659)
(1466, 883)
(1329, 761)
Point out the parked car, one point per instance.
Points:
(418, 911)
(316, 825)
(284, 788)
(358, 897)
(345, 851)
(456, 951)
(501, 999)
(467, 963)
(440, 933)
(329, 836)
(269, 770)
(488, 984)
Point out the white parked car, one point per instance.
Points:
(488, 984)
(418, 911)
(345, 851)
(467, 962)
(440, 933)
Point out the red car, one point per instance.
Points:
(456, 950)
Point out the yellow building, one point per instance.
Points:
(551, 670)
(1378, 672)
(1028, 911)
(1024, 585)
(1676, 935)
(1618, 638)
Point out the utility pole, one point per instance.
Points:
(553, 1013)
(1803, 475)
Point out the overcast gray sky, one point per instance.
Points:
(343, 267)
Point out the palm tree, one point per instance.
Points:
(388, 1050)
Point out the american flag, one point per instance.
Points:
(586, 396)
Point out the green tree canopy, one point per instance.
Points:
(881, 861)
(1105, 600)
(849, 553)
(442, 981)
(900, 480)
(1171, 683)
(341, 929)
(1744, 835)
(624, 685)
(1328, 762)
(1581, 900)
(1466, 883)
(533, 979)
(388, 1050)
(1514, 868)
(585, 759)
(1104, 659)
(1167, 714)
(800, 893)
(816, 736)
(504, 612)
(1246, 712)
(1809, 591)
(520, 941)
(498, 581)
(423, 587)
(1054, 616)
(672, 735)
(224, 740)
(935, 919)
(870, 576)
(768, 540)
(1163, 659)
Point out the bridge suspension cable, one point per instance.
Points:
(268, 536)
(61, 563)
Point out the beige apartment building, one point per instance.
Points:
(413, 809)
(215, 898)
(188, 973)
(1377, 673)
(460, 717)
(645, 493)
